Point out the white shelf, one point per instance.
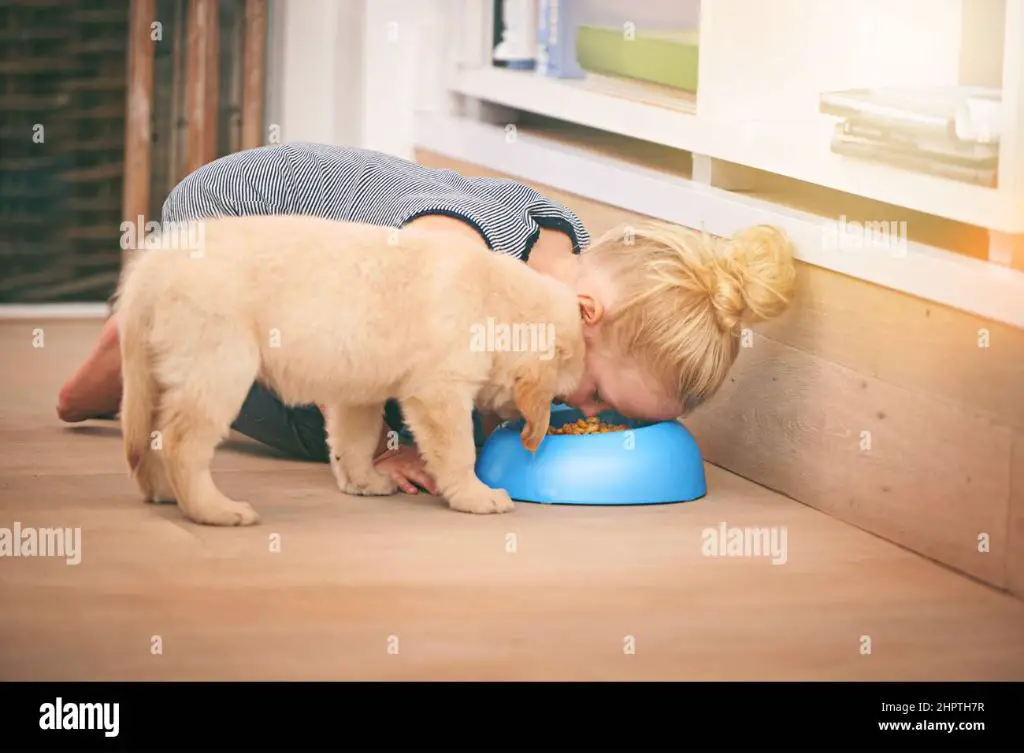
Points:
(38, 311)
(974, 286)
(795, 150)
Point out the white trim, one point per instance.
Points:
(978, 287)
(796, 150)
(54, 310)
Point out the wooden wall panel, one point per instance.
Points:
(137, 141)
(1015, 532)
(211, 79)
(201, 109)
(906, 341)
(254, 73)
(916, 470)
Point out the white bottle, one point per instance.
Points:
(518, 46)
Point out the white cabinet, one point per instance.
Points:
(764, 63)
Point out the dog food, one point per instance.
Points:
(586, 426)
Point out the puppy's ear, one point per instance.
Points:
(533, 393)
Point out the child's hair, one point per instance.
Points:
(681, 296)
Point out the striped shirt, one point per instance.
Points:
(359, 185)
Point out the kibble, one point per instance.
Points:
(583, 426)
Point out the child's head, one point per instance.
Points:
(663, 310)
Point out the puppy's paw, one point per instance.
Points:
(374, 484)
(532, 435)
(340, 476)
(227, 512)
(485, 502)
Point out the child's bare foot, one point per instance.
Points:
(94, 391)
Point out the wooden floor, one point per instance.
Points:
(401, 589)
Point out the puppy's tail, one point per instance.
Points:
(139, 397)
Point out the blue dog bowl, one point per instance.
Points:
(648, 464)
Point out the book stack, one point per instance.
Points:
(951, 132)
(556, 36)
(656, 63)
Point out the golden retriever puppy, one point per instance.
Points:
(342, 315)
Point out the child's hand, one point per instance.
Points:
(406, 467)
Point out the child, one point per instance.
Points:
(662, 308)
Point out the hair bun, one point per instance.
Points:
(755, 278)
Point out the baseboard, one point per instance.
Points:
(54, 310)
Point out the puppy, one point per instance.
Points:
(343, 315)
